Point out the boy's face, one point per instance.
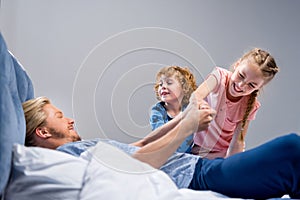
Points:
(170, 89)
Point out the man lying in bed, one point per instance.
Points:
(268, 171)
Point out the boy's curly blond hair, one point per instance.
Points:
(185, 78)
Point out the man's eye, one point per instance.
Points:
(60, 116)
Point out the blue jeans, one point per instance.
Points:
(268, 171)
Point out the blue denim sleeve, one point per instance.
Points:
(158, 116)
(76, 148)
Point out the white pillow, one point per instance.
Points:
(113, 174)
(44, 174)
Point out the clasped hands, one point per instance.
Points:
(198, 114)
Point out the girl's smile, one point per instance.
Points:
(236, 88)
(246, 78)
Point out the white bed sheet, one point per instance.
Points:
(102, 172)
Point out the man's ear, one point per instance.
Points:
(42, 132)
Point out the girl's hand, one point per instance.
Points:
(197, 115)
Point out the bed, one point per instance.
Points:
(102, 172)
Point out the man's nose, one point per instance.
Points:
(71, 121)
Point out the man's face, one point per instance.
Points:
(60, 128)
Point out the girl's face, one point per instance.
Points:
(246, 78)
(170, 90)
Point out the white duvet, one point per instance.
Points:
(103, 172)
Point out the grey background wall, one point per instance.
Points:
(97, 60)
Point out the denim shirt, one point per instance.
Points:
(180, 166)
(159, 117)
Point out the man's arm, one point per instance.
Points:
(196, 117)
(159, 132)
